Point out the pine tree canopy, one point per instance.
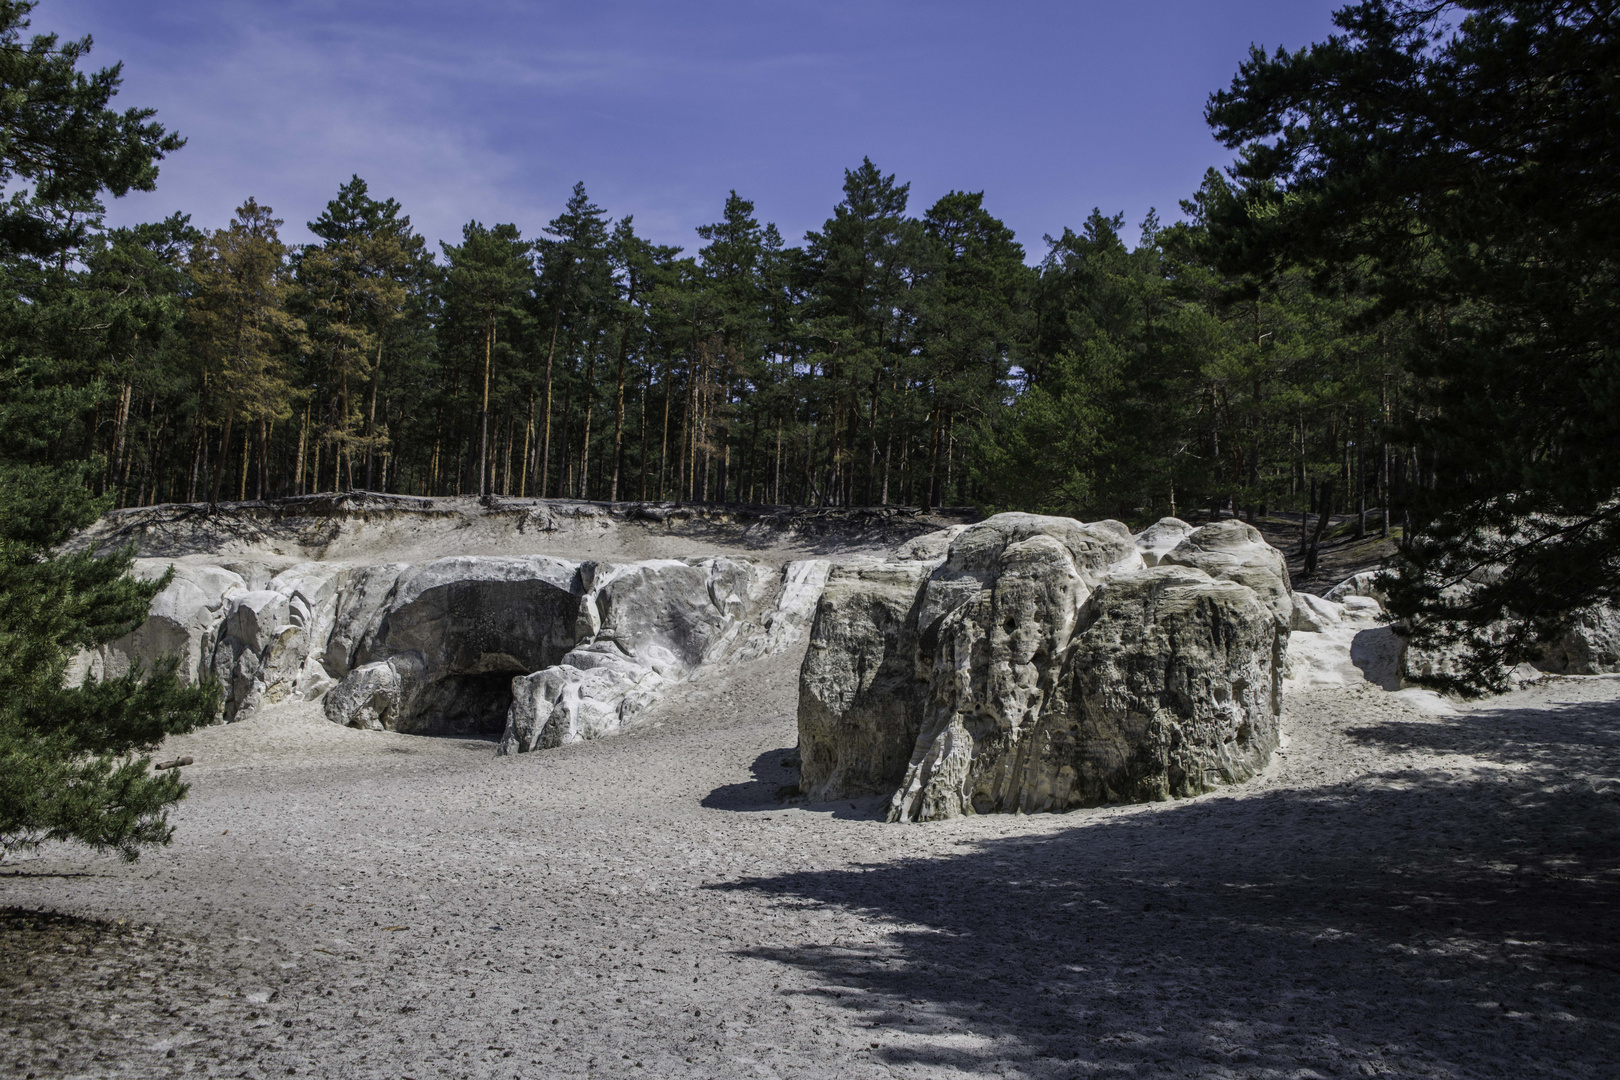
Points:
(1458, 162)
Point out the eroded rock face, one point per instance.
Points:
(184, 621)
(1161, 538)
(1038, 664)
(541, 650)
(1231, 550)
(1588, 645)
(641, 627)
(860, 701)
(546, 651)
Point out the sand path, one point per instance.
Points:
(1400, 894)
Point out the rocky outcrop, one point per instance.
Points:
(640, 627)
(542, 649)
(449, 639)
(547, 651)
(1231, 550)
(183, 622)
(860, 699)
(1161, 538)
(1588, 644)
(1039, 664)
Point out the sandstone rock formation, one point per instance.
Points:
(549, 651)
(1589, 644)
(183, 622)
(546, 650)
(1036, 663)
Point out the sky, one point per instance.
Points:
(490, 110)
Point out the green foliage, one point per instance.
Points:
(1456, 160)
(84, 312)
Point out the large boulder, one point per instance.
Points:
(362, 593)
(273, 639)
(440, 655)
(640, 627)
(995, 620)
(1040, 665)
(1172, 687)
(1588, 644)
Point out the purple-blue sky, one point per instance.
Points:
(491, 110)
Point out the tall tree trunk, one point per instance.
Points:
(219, 469)
(303, 449)
(585, 437)
(371, 415)
(618, 406)
(241, 490)
(528, 438)
(641, 439)
(931, 499)
(265, 431)
(663, 443)
(483, 415)
(115, 460)
(545, 442)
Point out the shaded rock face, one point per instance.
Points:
(1588, 645)
(860, 701)
(1040, 665)
(452, 635)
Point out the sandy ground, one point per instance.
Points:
(1401, 894)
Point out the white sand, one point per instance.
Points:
(1400, 894)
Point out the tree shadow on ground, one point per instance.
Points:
(1424, 922)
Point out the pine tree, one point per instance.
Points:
(354, 289)
(243, 333)
(68, 764)
(488, 276)
(1457, 158)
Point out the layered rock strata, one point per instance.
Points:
(1033, 663)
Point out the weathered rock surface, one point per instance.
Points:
(860, 700)
(1588, 645)
(1173, 686)
(1161, 538)
(1231, 550)
(546, 650)
(1038, 664)
(640, 627)
(184, 622)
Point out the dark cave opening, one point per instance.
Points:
(466, 705)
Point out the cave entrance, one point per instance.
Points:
(466, 706)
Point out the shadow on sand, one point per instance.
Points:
(1456, 922)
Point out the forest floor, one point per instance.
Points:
(1402, 893)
